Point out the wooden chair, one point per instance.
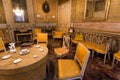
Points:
(36, 30)
(2, 47)
(42, 39)
(69, 69)
(61, 52)
(116, 56)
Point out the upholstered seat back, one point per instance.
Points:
(1, 34)
(2, 47)
(58, 34)
(42, 37)
(82, 56)
(37, 30)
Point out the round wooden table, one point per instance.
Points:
(30, 68)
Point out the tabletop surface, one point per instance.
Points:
(27, 59)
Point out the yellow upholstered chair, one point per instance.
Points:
(5, 41)
(2, 47)
(42, 39)
(58, 34)
(61, 52)
(36, 30)
(116, 56)
(73, 69)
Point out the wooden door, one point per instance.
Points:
(64, 13)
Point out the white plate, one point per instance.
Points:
(35, 56)
(41, 50)
(37, 46)
(17, 60)
(6, 56)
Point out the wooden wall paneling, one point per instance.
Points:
(114, 13)
(73, 10)
(30, 12)
(7, 8)
(2, 14)
(64, 14)
(45, 17)
(78, 7)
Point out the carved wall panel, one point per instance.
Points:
(2, 14)
(49, 15)
(114, 13)
(64, 14)
(77, 10)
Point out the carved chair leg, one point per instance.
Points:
(113, 62)
(116, 62)
(108, 56)
(92, 53)
(104, 58)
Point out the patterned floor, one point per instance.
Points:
(94, 71)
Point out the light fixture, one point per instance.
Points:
(0, 15)
(71, 30)
(53, 16)
(37, 15)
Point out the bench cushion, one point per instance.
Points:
(79, 37)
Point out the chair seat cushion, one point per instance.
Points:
(61, 51)
(117, 56)
(68, 68)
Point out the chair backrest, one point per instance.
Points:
(1, 34)
(37, 30)
(58, 34)
(66, 41)
(81, 56)
(42, 37)
(2, 47)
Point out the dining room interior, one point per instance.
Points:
(59, 40)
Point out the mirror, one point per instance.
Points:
(46, 7)
(96, 9)
(19, 11)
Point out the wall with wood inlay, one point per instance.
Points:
(111, 24)
(2, 14)
(40, 15)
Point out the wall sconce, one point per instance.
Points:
(38, 15)
(71, 29)
(0, 15)
(53, 16)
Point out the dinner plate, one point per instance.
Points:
(6, 56)
(17, 60)
(41, 50)
(37, 46)
(35, 56)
